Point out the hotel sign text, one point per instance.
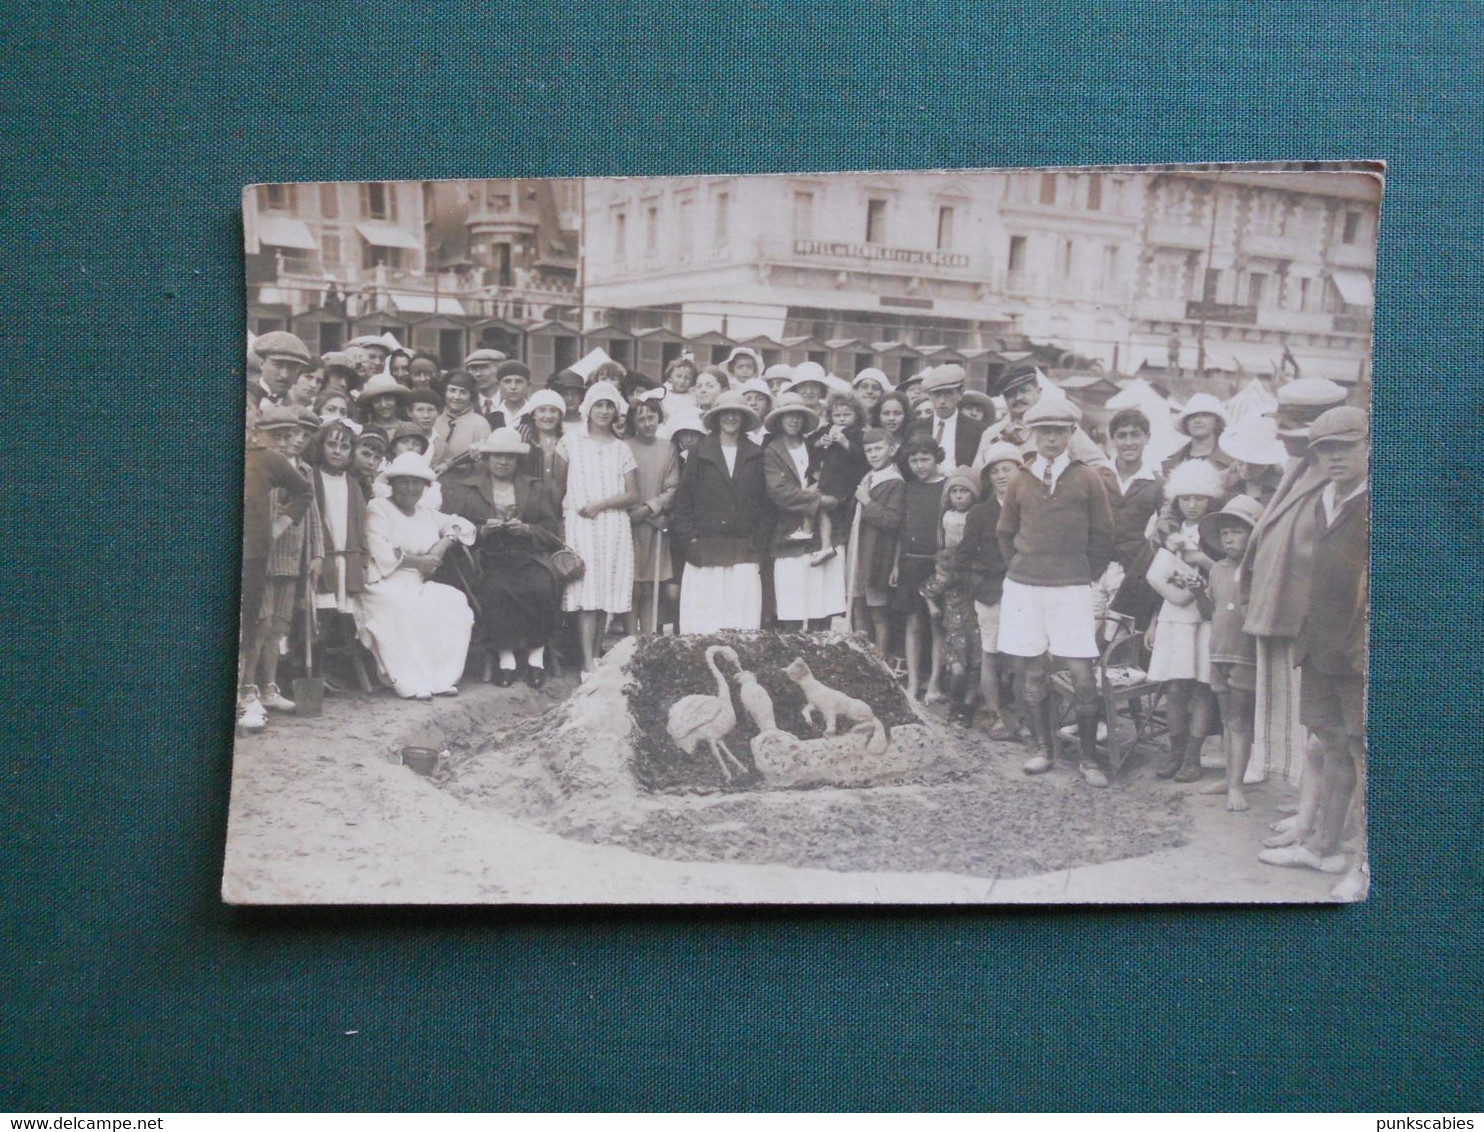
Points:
(886, 255)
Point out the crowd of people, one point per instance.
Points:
(433, 524)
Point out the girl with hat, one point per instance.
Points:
(1181, 658)
(601, 485)
(980, 561)
(658, 464)
(955, 595)
(571, 388)
(870, 386)
(808, 589)
(541, 429)
(777, 377)
(743, 365)
(417, 629)
(680, 380)
(1202, 420)
(458, 427)
(809, 383)
(380, 402)
(519, 595)
(922, 511)
(839, 465)
(759, 399)
(720, 520)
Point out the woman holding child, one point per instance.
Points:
(808, 576)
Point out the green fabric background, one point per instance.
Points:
(128, 131)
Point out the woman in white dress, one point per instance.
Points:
(602, 484)
(417, 629)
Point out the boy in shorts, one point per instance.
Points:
(1233, 652)
(1056, 535)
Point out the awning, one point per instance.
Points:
(385, 236)
(1354, 287)
(409, 303)
(281, 232)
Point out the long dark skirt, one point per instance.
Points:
(519, 602)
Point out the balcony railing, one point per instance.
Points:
(1221, 312)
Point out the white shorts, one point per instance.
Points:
(1038, 619)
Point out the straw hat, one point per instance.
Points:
(1243, 508)
(687, 420)
(501, 442)
(871, 373)
(729, 402)
(1194, 477)
(411, 465)
(382, 385)
(808, 371)
(1201, 403)
(779, 372)
(757, 385)
(791, 403)
(1255, 441)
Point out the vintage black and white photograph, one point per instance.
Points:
(955, 537)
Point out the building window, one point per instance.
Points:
(329, 248)
(1110, 263)
(497, 197)
(803, 216)
(723, 218)
(620, 234)
(1017, 254)
(1303, 295)
(685, 225)
(329, 200)
(1256, 284)
(1048, 188)
(1066, 259)
(1212, 285)
(876, 221)
(1351, 229)
(276, 198)
(373, 256)
(945, 228)
(651, 227)
(377, 203)
(1094, 193)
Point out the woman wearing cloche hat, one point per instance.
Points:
(1202, 420)
(417, 629)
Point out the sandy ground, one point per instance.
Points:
(323, 813)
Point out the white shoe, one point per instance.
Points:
(275, 700)
(251, 716)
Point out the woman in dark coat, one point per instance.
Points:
(721, 518)
(518, 595)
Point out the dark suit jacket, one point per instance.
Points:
(966, 442)
(722, 519)
(1333, 638)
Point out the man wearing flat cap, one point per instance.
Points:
(1020, 386)
(957, 434)
(282, 357)
(482, 365)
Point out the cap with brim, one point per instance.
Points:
(1255, 441)
(1056, 411)
(368, 342)
(1198, 404)
(1016, 376)
(944, 377)
(406, 429)
(914, 379)
(759, 386)
(1000, 451)
(1343, 425)
(493, 357)
(409, 465)
(791, 403)
(308, 417)
(383, 385)
(501, 442)
(272, 418)
(1242, 508)
(687, 420)
(963, 478)
(729, 402)
(282, 344)
(1311, 393)
(568, 379)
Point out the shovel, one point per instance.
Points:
(309, 689)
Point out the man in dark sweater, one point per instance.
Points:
(1056, 534)
(1134, 496)
(1331, 647)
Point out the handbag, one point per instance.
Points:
(567, 564)
(1162, 572)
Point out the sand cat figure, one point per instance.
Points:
(832, 704)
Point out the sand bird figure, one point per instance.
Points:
(755, 701)
(708, 719)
